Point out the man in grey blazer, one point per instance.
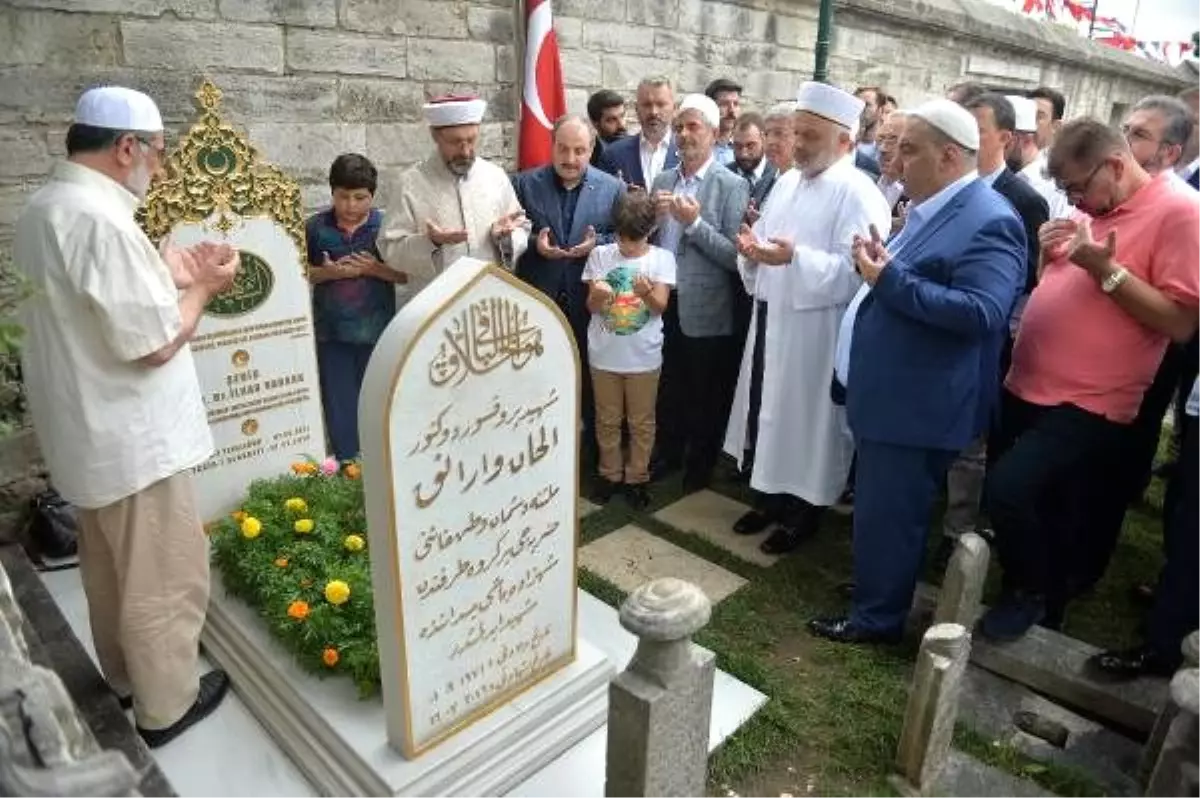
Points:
(700, 206)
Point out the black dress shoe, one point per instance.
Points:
(787, 537)
(1129, 664)
(604, 490)
(637, 496)
(752, 523)
(841, 630)
(1142, 595)
(213, 687)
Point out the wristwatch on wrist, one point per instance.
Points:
(1113, 281)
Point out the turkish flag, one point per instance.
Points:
(544, 100)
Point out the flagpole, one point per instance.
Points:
(1137, 6)
(1092, 22)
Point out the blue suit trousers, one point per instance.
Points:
(894, 491)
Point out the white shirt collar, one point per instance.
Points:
(646, 146)
(71, 172)
(700, 173)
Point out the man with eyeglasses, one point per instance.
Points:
(117, 406)
(1119, 281)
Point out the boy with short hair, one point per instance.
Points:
(353, 294)
(629, 285)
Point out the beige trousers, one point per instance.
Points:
(630, 398)
(144, 561)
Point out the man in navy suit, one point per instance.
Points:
(911, 357)
(637, 160)
(570, 206)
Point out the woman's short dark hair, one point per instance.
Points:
(353, 171)
(635, 217)
(86, 138)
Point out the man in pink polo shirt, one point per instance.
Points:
(1115, 289)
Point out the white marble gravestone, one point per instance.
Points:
(254, 349)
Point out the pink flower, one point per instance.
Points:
(330, 467)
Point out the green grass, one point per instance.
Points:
(833, 718)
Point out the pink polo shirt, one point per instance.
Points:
(1076, 345)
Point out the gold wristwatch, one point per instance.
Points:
(1113, 281)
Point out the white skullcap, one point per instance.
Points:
(830, 102)
(1026, 113)
(117, 108)
(708, 109)
(952, 119)
(450, 111)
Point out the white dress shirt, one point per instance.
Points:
(654, 158)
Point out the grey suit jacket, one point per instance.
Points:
(707, 254)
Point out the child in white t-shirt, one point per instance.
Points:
(628, 289)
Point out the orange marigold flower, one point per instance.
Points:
(298, 610)
(353, 471)
(329, 656)
(239, 516)
(281, 562)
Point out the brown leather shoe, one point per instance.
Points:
(213, 687)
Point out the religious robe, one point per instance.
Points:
(803, 445)
(429, 191)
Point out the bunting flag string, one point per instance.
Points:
(1107, 30)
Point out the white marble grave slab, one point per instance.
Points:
(257, 364)
(469, 421)
(631, 557)
(711, 516)
(254, 764)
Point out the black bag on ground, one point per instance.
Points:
(55, 528)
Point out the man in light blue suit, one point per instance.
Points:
(918, 357)
(570, 207)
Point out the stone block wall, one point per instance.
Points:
(314, 78)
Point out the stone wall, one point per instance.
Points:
(313, 78)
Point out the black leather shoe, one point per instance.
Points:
(213, 687)
(845, 590)
(637, 496)
(604, 490)
(752, 523)
(1129, 664)
(841, 630)
(787, 537)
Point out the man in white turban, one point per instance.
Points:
(117, 405)
(796, 263)
(453, 204)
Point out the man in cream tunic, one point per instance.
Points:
(453, 204)
(117, 407)
(800, 248)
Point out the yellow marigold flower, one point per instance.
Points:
(329, 656)
(281, 562)
(354, 543)
(251, 527)
(296, 505)
(298, 610)
(303, 526)
(337, 592)
(239, 516)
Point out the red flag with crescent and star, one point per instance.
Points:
(543, 100)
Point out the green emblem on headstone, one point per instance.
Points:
(249, 291)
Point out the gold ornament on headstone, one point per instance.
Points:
(214, 176)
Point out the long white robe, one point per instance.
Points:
(804, 446)
(430, 192)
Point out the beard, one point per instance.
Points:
(748, 165)
(616, 136)
(460, 166)
(138, 182)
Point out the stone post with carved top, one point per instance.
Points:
(659, 707)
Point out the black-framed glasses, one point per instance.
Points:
(1079, 191)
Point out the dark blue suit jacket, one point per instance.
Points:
(623, 159)
(538, 194)
(924, 360)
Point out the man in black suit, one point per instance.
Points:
(751, 164)
(606, 110)
(997, 125)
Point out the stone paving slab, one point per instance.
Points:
(631, 556)
(711, 516)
